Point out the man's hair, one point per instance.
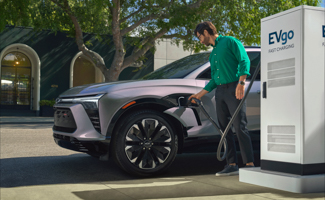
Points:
(207, 25)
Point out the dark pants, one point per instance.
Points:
(226, 105)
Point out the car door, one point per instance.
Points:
(253, 98)
(205, 128)
(209, 104)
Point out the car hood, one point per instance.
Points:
(98, 88)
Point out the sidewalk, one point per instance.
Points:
(25, 120)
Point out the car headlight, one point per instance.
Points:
(87, 101)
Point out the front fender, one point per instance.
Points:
(187, 116)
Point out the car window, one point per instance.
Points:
(206, 74)
(180, 68)
(254, 57)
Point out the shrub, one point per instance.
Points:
(47, 103)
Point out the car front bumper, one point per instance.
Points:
(74, 130)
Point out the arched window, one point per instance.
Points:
(15, 79)
(84, 71)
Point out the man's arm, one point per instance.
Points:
(240, 53)
(243, 66)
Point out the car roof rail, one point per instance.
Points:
(248, 47)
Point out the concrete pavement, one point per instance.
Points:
(40, 169)
(183, 188)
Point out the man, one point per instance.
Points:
(229, 69)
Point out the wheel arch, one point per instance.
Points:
(159, 105)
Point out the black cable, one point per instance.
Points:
(224, 133)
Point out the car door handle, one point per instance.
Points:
(264, 90)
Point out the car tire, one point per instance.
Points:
(145, 143)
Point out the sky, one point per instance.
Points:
(323, 3)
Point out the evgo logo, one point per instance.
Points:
(284, 37)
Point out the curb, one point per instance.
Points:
(26, 123)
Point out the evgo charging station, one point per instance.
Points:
(292, 102)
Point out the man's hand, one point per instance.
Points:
(240, 91)
(198, 95)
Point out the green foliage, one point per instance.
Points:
(88, 43)
(239, 18)
(47, 103)
(14, 13)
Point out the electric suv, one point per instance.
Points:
(143, 124)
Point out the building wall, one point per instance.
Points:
(167, 53)
(55, 53)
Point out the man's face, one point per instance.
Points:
(204, 39)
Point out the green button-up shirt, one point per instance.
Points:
(228, 61)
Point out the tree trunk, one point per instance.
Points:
(114, 73)
(118, 60)
(99, 63)
(97, 60)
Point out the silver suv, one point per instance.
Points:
(142, 124)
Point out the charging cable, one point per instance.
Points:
(224, 133)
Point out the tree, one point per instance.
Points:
(142, 22)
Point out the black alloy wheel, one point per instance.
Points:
(145, 143)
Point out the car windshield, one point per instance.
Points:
(180, 68)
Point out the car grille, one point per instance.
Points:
(77, 145)
(95, 121)
(64, 120)
(64, 129)
(94, 118)
(61, 137)
(91, 110)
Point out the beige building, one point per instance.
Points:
(167, 53)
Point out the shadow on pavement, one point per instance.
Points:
(75, 168)
(81, 168)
